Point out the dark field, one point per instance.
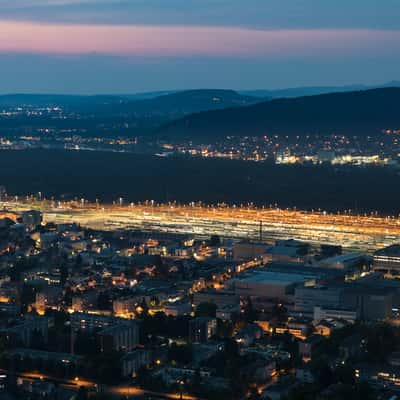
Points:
(108, 176)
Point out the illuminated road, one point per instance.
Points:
(362, 232)
(129, 391)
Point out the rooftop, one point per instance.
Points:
(342, 258)
(390, 251)
(277, 278)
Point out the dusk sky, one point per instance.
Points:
(127, 46)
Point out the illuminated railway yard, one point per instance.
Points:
(357, 232)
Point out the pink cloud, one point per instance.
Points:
(190, 40)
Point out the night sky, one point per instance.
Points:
(127, 46)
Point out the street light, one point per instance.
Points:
(181, 383)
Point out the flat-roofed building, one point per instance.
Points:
(220, 298)
(228, 312)
(26, 330)
(177, 308)
(85, 301)
(345, 261)
(132, 362)
(248, 250)
(371, 303)
(310, 271)
(307, 298)
(49, 297)
(321, 313)
(89, 322)
(266, 284)
(120, 337)
(125, 307)
(10, 308)
(31, 218)
(288, 251)
(387, 259)
(201, 329)
(66, 358)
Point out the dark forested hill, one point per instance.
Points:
(190, 101)
(359, 113)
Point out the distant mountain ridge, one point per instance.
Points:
(15, 99)
(360, 113)
(302, 91)
(190, 101)
(313, 90)
(276, 93)
(173, 104)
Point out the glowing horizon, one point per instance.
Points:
(145, 40)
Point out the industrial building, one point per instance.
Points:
(387, 259)
(267, 284)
